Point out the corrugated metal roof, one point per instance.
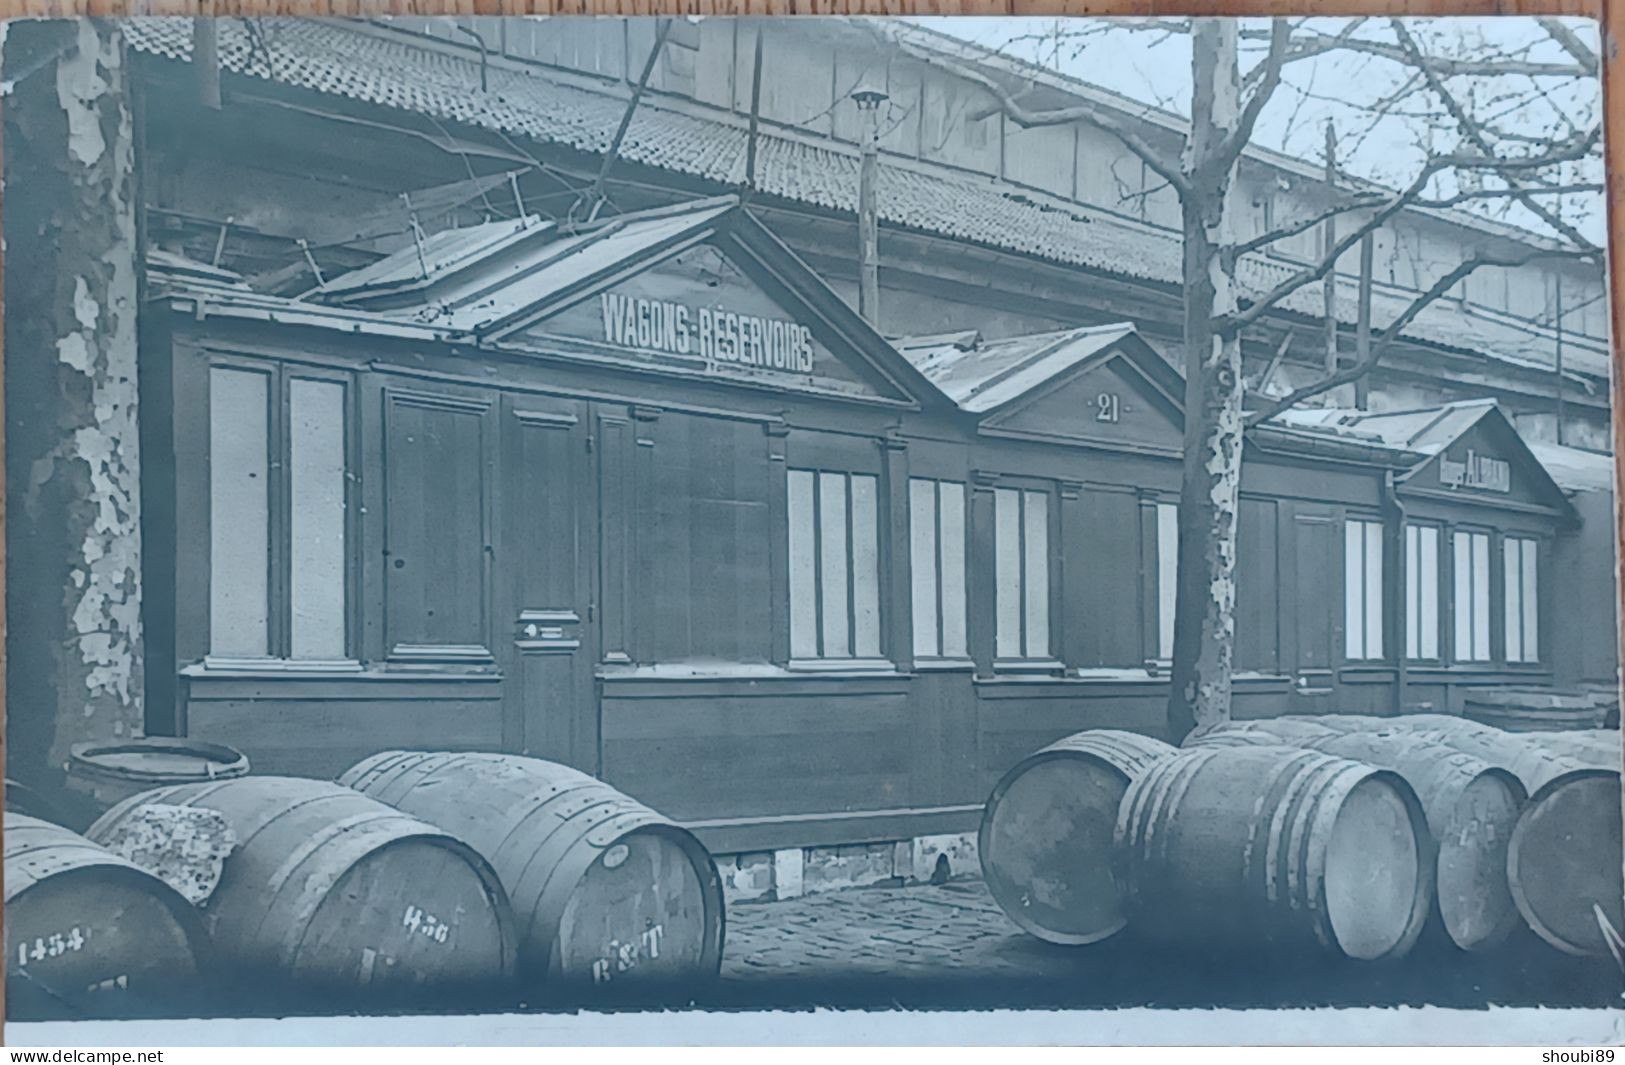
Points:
(1425, 431)
(362, 63)
(982, 375)
(479, 278)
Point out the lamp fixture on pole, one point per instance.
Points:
(869, 96)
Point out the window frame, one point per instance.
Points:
(1049, 661)
(940, 654)
(1370, 526)
(1488, 657)
(820, 660)
(281, 374)
(1440, 590)
(1529, 541)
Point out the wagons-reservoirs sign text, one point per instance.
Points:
(715, 334)
(1477, 471)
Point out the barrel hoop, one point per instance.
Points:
(362, 775)
(403, 778)
(531, 804)
(540, 855)
(564, 873)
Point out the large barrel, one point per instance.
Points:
(87, 933)
(1046, 838)
(102, 775)
(1563, 861)
(1532, 709)
(1250, 847)
(607, 891)
(1472, 808)
(332, 895)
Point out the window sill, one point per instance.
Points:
(1032, 666)
(943, 665)
(841, 665)
(213, 665)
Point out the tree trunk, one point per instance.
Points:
(1204, 629)
(73, 544)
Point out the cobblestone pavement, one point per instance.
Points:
(951, 946)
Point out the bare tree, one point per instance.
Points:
(1458, 93)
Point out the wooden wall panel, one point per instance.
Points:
(437, 524)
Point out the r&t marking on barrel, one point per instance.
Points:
(52, 946)
(426, 924)
(624, 956)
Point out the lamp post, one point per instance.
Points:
(869, 97)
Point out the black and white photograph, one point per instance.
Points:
(544, 516)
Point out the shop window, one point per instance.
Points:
(936, 513)
(277, 541)
(1421, 592)
(1362, 590)
(834, 565)
(1021, 592)
(1522, 599)
(1471, 605)
(1167, 576)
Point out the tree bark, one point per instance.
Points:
(73, 503)
(1204, 628)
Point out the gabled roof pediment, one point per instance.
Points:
(700, 288)
(1098, 386)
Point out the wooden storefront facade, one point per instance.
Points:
(649, 499)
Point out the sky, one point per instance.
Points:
(1153, 66)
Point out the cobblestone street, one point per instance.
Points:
(950, 945)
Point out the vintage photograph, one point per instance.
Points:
(515, 514)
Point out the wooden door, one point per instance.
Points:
(1318, 616)
(544, 566)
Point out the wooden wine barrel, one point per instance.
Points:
(105, 774)
(1046, 837)
(1471, 809)
(88, 934)
(607, 891)
(1274, 847)
(1281, 731)
(1563, 861)
(1532, 709)
(332, 895)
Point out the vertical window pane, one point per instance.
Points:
(1511, 559)
(316, 518)
(1413, 588)
(1353, 589)
(922, 564)
(1462, 600)
(832, 563)
(1429, 574)
(1373, 589)
(865, 568)
(952, 542)
(1167, 576)
(1531, 604)
(803, 549)
(1035, 530)
(239, 513)
(1481, 596)
(1007, 575)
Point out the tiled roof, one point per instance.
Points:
(362, 63)
(980, 376)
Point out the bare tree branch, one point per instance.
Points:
(1313, 44)
(1571, 43)
(1470, 130)
(1268, 81)
(1575, 149)
(1393, 331)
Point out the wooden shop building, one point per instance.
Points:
(648, 498)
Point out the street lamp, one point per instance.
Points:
(869, 96)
